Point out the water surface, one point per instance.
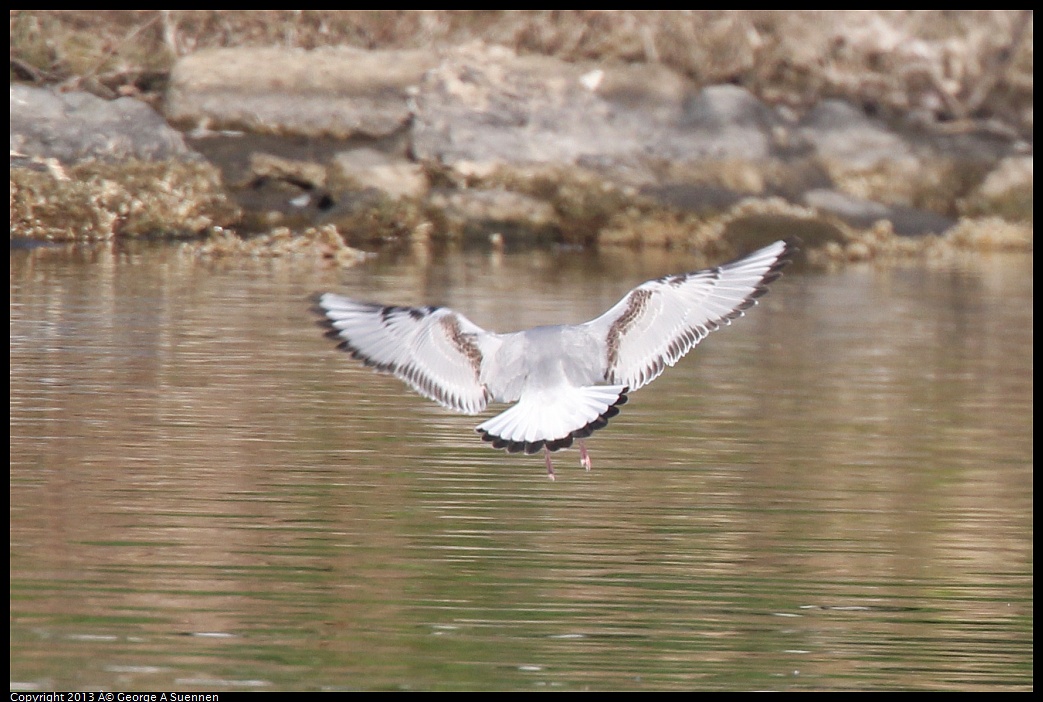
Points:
(834, 492)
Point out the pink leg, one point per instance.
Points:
(550, 468)
(584, 457)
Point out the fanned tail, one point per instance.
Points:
(553, 419)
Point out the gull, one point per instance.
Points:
(566, 380)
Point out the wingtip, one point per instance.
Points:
(790, 248)
(323, 322)
(792, 245)
(316, 303)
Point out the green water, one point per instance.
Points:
(835, 492)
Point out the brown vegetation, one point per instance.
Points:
(944, 65)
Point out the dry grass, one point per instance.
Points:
(943, 65)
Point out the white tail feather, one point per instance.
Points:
(553, 418)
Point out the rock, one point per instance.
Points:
(693, 198)
(306, 175)
(369, 168)
(1006, 191)
(515, 139)
(488, 106)
(725, 122)
(853, 210)
(494, 207)
(98, 200)
(74, 126)
(840, 133)
(314, 243)
(331, 92)
(862, 157)
(905, 221)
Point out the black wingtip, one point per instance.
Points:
(323, 322)
(793, 245)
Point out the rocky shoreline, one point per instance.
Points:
(476, 141)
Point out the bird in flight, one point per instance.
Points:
(566, 381)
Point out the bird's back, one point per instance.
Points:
(543, 357)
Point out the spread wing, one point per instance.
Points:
(435, 350)
(660, 321)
